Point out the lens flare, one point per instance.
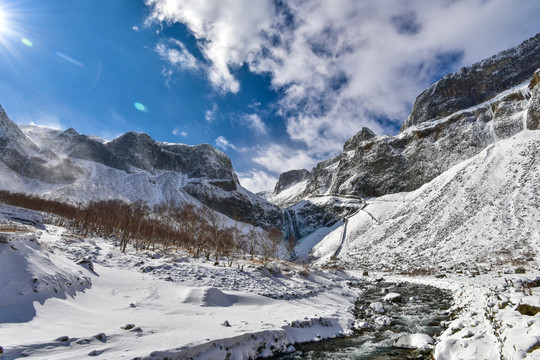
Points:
(141, 107)
(27, 42)
(17, 31)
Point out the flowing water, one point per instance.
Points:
(421, 310)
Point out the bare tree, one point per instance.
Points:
(275, 236)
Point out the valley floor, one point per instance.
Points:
(151, 305)
(63, 297)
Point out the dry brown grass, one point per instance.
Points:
(418, 272)
(12, 228)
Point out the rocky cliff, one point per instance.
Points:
(476, 84)
(70, 166)
(452, 121)
(290, 178)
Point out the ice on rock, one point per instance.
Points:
(383, 320)
(414, 341)
(392, 297)
(377, 307)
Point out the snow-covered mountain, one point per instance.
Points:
(444, 129)
(481, 213)
(289, 188)
(69, 166)
(453, 120)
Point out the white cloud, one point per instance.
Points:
(210, 115)
(177, 131)
(135, 28)
(344, 64)
(278, 158)
(224, 144)
(230, 28)
(176, 54)
(257, 180)
(255, 123)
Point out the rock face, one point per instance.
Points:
(533, 114)
(466, 217)
(80, 168)
(451, 122)
(289, 178)
(22, 156)
(363, 135)
(480, 82)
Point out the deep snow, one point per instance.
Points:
(153, 305)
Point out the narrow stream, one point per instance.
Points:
(421, 310)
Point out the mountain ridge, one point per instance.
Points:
(68, 166)
(368, 163)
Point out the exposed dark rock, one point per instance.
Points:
(533, 114)
(235, 204)
(361, 136)
(473, 85)
(375, 166)
(85, 148)
(529, 310)
(289, 178)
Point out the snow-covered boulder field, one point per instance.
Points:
(65, 297)
(490, 321)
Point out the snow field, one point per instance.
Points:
(153, 305)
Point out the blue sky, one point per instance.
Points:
(275, 84)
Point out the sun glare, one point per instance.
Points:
(3, 25)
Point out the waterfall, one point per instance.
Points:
(291, 228)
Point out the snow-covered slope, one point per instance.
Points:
(454, 120)
(153, 305)
(481, 212)
(289, 195)
(68, 166)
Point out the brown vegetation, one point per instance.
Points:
(199, 231)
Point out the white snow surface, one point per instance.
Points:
(487, 323)
(480, 213)
(153, 304)
(290, 195)
(414, 341)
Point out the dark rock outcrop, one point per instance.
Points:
(289, 178)
(363, 135)
(473, 85)
(533, 114)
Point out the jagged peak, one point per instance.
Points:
(133, 135)
(70, 132)
(477, 83)
(363, 135)
(289, 178)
